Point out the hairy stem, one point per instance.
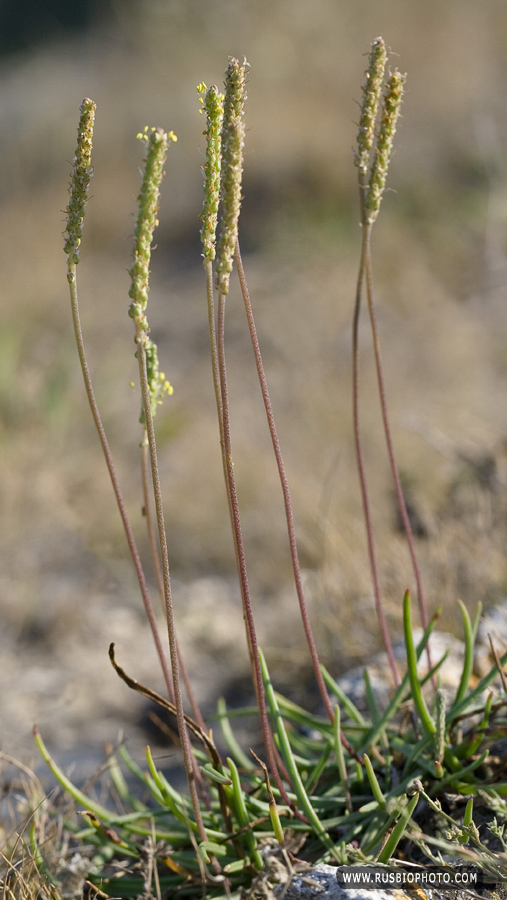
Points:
(251, 633)
(208, 267)
(72, 279)
(389, 443)
(284, 484)
(147, 513)
(359, 454)
(145, 465)
(188, 756)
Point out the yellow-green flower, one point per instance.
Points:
(80, 180)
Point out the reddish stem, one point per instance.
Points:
(160, 581)
(71, 277)
(390, 447)
(296, 568)
(240, 552)
(188, 756)
(360, 460)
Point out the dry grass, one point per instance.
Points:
(21, 833)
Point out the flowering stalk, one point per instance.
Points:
(224, 157)
(390, 113)
(157, 143)
(296, 568)
(151, 529)
(389, 118)
(81, 174)
(80, 181)
(233, 138)
(372, 181)
(372, 91)
(213, 106)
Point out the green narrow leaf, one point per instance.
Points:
(370, 698)
(67, 785)
(169, 796)
(373, 735)
(213, 775)
(230, 739)
(468, 661)
(320, 765)
(339, 752)
(469, 812)
(476, 620)
(288, 758)
(237, 866)
(458, 708)
(347, 704)
(207, 847)
(419, 701)
(375, 786)
(141, 776)
(454, 777)
(398, 831)
(119, 782)
(236, 796)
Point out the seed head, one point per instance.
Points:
(389, 117)
(80, 180)
(157, 143)
(372, 92)
(213, 105)
(233, 137)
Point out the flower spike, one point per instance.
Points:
(390, 113)
(213, 105)
(233, 137)
(80, 181)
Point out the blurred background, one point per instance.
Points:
(66, 584)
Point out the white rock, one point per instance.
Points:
(320, 882)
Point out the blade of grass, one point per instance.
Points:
(458, 708)
(288, 758)
(398, 831)
(230, 739)
(274, 814)
(320, 765)
(170, 797)
(399, 694)
(67, 785)
(454, 777)
(375, 786)
(236, 797)
(468, 662)
(340, 756)
(122, 788)
(347, 704)
(370, 698)
(413, 677)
